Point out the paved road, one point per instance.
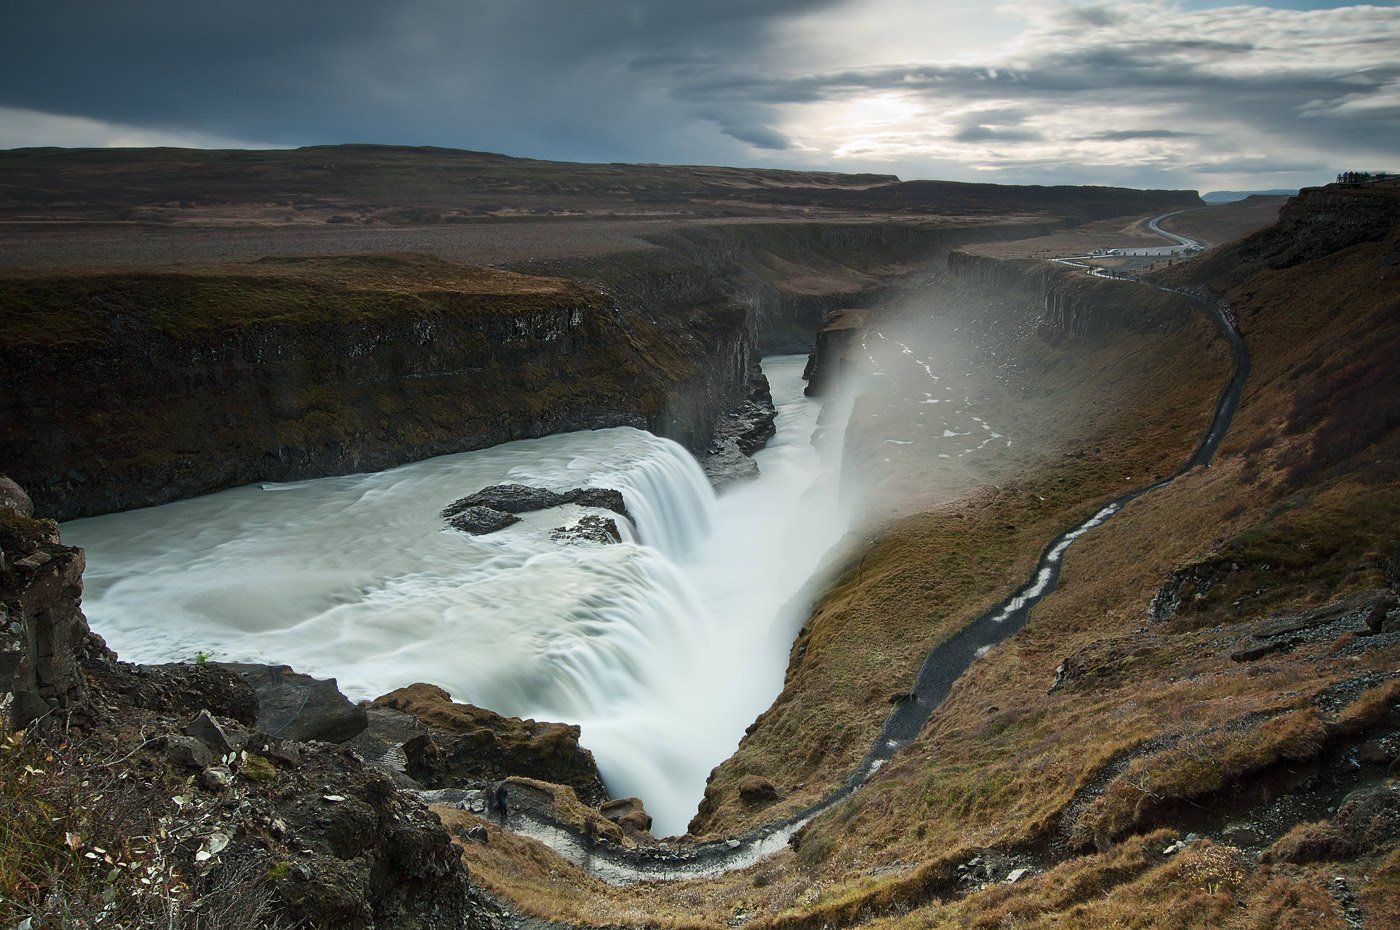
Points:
(1184, 241)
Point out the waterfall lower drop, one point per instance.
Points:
(663, 648)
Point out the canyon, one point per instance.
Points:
(903, 696)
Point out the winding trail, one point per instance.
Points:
(941, 668)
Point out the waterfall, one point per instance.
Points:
(669, 497)
(662, 647)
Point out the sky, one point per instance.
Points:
(1180, 93)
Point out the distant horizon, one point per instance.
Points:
(659, 164)
(1182, 94)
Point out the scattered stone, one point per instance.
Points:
(479, 834)
(188, 753)
(216, 778)
(208, 731)
(755, 789)
(1015, 875)
(481, 520)
(1174, 848)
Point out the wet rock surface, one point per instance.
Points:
(481, 520)
(589, 529)
(738, 435)
(496, 507)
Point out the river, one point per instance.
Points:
(662, 648)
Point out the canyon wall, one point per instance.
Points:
(1071, 303)
(128, 389)
(135, 413)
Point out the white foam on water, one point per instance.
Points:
(663, 648)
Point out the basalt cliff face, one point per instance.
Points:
(143, 400)
(1069, 302)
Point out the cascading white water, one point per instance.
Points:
(663, 648)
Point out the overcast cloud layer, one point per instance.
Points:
(1174, 94)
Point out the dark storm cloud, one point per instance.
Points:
(557, 78)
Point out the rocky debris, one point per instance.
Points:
(1250, 653)
(1186, 586)
(12, 497)
(481, 520)
(631, 816)
(988, 867)
(293, 706)
(177, 689)
(1364, 615)
(1368, 819)
(1364, 612)
(588, 529)
(755, 789)
(470, 746)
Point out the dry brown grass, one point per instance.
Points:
(1227, 221)
(49, 309)
(1134, 886)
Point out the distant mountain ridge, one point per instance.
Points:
(1232, 196)
(386, 185)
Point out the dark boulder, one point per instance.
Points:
(12, 497)
(520, 498)
(481, 520)
(506, 498)
(293, 706)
